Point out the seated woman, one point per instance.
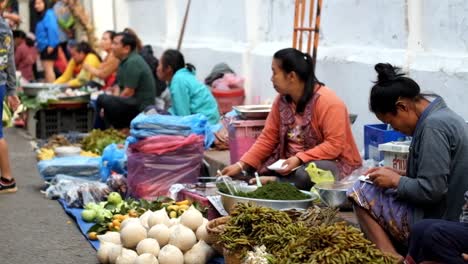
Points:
(108, 68)
(75, 76)
(435, 178)
(189, 96)
(307, 123)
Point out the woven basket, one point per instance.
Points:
(231, 257)
(214, 229)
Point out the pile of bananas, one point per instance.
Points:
(45, 154)
(176, 209)
(88, 154)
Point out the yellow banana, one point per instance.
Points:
(184, 202)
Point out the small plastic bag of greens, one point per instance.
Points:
(318, 175)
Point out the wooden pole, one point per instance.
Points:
(311, 16)
(302, 15)
(317, 32)
(296, 24)
(181, 36)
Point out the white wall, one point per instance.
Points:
(428, 38)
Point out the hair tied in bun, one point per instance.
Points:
(386, 72)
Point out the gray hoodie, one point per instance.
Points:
(7, 59)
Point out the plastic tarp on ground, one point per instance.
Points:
(153, 124)
(151, 175)
(77, 166)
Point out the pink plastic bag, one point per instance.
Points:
(165, 143)
(151, 175)
(229, 81)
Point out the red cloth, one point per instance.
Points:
(163, 144)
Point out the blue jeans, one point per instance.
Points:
(2, 97)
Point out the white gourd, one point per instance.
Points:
(173, 221)
(128, 221)
(103, 252)
(161, 233)
(127, 256)
(202, 233)
(205, 221)
(183, 238)
(148, 245)
(114, 253)
(159, 217)
(170, 254)
(110, 237)
(192, 218)
(146, 259)
(132, 234)
(145, 217)
(200, 253)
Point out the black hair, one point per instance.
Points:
(293, 60)
(47, 5)
(139, 43)
(174, 59)
(85, 48)
(391, 85)
(111, 33)
(128, 39)
(20, 34)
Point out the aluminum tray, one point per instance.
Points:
(32, 89)
(252, 111)
(333, 194)
(229, 201)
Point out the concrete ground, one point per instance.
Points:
(34, 229)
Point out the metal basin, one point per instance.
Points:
(32, 89)
(229, 201)
(333, 194)
(252, 111)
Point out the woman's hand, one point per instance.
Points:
(13, 102)
(384, 177)
(50, 50)
(231, 170)
(86, 66)
(289, 165)
(400, 172)
(465, 256)
(263, 179)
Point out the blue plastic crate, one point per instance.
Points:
(378, 134)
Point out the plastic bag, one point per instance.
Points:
(77, 166)
(118, 183)
(114, 159)
(163, 144)
(77, 191)
(318, 175)
(153, 124)
(229, 81)
(150, 175)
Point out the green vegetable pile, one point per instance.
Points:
(297, 242)
(271, 191)
(97, 140)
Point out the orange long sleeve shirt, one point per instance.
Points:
(330, 121)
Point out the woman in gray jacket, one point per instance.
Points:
(435, 179)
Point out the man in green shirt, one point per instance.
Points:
(135, 88)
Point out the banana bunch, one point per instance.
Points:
(88, 154)
(178, 208)
(45, 154)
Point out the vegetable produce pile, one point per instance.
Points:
(270, 191)
(297, 242)
(97, 140)
(153, 236)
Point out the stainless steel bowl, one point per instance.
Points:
(229, 201)
(32, 89)
(333, 194)
(252, 111)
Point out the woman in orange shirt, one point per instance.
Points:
(307, 123)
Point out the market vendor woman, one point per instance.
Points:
(435, 178)
(307, 123)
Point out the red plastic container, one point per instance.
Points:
(242, 135)
(228, 98)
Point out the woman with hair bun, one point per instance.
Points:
(435, 179)
(307, 123)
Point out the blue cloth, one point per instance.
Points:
(2, 97)
(82, 225)
(189, 96)
(77, 166)
(47, 31)
(147, 125)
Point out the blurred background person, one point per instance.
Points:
(25, 55)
